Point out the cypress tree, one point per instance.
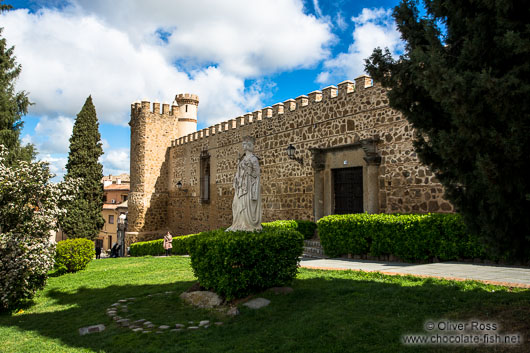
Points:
(13, 105)
(83, 219)
(464, 84)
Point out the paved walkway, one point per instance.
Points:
(512, 276)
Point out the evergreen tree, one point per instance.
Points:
(13, 105)
(83, 218)
(464, 84)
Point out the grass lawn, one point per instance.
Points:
(329, 311)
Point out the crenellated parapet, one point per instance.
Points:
(290, 106)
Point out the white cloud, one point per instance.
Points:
(373, 28)
(52, 135)
(111, 50)
(245, 38)
(57, 165)
(340, 21)
(115, 161)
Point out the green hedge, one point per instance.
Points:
(235, 264)
(72, 255)
(156, 247)
(409, 237)
(307, 228)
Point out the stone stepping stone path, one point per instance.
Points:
(145, 326)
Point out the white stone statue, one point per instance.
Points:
(246, 207)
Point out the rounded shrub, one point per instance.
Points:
(72, 255)
(235, 264)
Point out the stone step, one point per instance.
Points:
(314, 252)
(312, 243)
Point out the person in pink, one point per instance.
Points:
(168, 243)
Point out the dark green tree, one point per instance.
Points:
(464, 84)
(13, 105)
(83, 219)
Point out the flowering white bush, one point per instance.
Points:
(29, 209)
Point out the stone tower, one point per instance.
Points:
(152, 131)
(187, 119)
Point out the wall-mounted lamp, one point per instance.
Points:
(179, 186)
(290, 153)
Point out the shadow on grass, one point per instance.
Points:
(327, 312)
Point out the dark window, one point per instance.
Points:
(123, 198)
(348, 190)
(104, 198)
(186, 108)
(111, 219)
(205, 176)
(110, 241)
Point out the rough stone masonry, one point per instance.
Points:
(353, 153)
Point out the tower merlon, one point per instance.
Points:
(266, 113)
(315, 96)
(249, 118)
(277, 109)
(362, 82)
(302, 101)
(289, 105)
(345, 87)
(187, 98)
(329, 92)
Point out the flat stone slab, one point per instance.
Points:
(138, 329)
(204, 322)
(179, 326)
(193, 328)
(163, 327)
(91, 329)
(257, 303)
(202, 299)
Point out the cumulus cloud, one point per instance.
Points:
(373, 28)
(51, 135)
(244, 38)
(115, 161)
(56, 164)
(120, 51)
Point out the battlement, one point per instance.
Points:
(344, 88)
(147, 107)
(187, 98)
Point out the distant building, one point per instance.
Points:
(115, 195)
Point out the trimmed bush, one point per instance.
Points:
(156, 247)
(72, 255)
(409, 237)
(235, 264)
(307, 228)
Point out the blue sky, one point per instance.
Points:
(237, 55)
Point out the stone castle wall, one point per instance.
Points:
(336, 123)
(336, 128)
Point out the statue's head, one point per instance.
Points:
(248, 143)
